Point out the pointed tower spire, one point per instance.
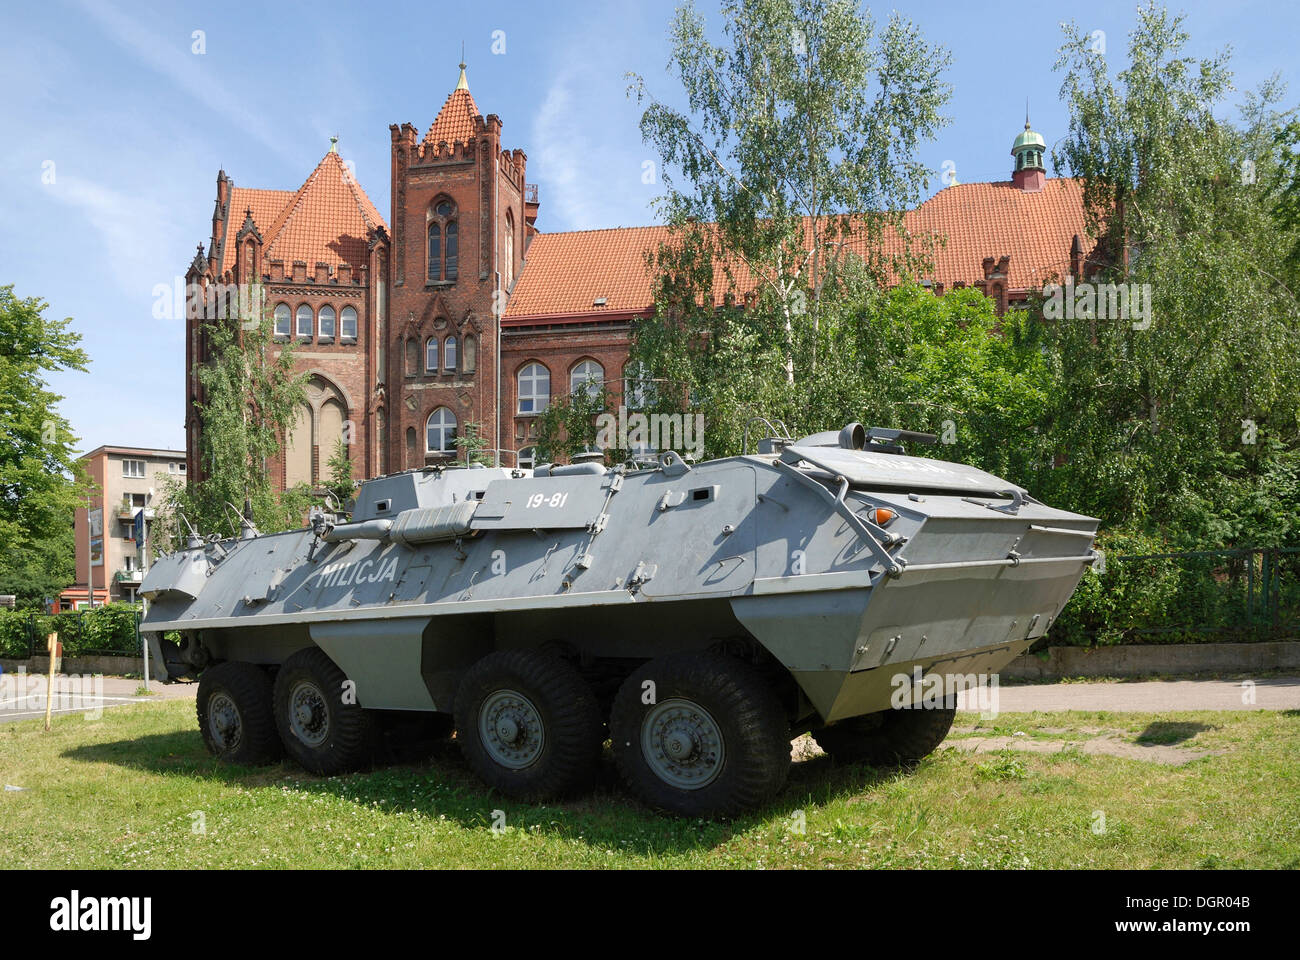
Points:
(462, 83)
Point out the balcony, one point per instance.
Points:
(129, 578)
(127, 511)
(530, 203)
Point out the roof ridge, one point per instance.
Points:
(360, 197)
(370, 214)
(273, 234)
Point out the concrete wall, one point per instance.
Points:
(111, 666)
(1146, 660)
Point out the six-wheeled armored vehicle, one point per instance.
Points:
(696, 616)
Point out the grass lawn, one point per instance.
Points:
(133, 789)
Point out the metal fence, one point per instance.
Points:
(72, 630)
(1249, 593)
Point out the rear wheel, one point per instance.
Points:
(322, 726)
(234, 713)
(712, 740)
(528, 725)
(890, 737)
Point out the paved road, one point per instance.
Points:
(22, 697)
(73, 695)
(1149, 696)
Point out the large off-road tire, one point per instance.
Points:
(528, 725)
(322, 727)
(890, 737)
(714, 741)
(234, 713)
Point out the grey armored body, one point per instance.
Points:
(697, 616)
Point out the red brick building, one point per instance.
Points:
(463, 315)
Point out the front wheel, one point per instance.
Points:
(234, 713)
(700, 735)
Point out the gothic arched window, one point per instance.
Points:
(443, 241)
(435, 250)
(449, 354)
(509, 264)
(431, 355)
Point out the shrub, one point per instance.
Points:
(107, 629)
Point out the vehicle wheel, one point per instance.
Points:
(528, 725)
(890, 737)
(715, 740)
(321, 731)
(234, 712)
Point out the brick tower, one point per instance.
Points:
(460, 218)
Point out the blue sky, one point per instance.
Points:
(134, 124)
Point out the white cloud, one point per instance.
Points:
(173, 59)
(588, 153)
(135, 230)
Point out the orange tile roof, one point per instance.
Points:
(455, 121)
(326, 221)
(566, 272)
(266, 206)
(999, 219)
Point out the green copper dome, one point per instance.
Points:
(1029, 148)
(1028, 139)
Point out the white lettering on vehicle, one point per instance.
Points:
(346, 574)
(542, 500)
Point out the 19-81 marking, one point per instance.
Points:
(542, 500)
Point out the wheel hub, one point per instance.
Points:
(224, 721)
(508, 730)
(511, 730)
(682, 744)
(679, 745)
(308, 714)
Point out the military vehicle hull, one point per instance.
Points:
(822, 581)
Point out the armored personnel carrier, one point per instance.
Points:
(696, 616)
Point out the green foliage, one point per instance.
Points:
(568, 425)
(1164, 425)
(339, 468)
(106, 629)
(755, 218)
(40, 482)
(474, 445)
(250, 400)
